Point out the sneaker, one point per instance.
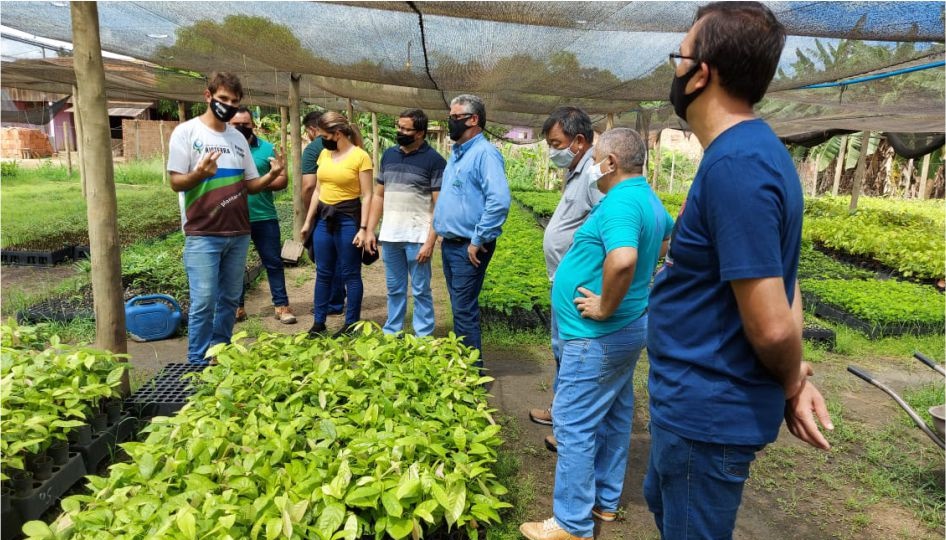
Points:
(317, 330)
(241, 314)
(285, 316)
(547, 530)
(551, 444)
(541, 416)
(604, 515)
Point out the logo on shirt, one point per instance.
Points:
(198, 146)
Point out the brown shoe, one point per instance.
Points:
(547, 530)
(551, 444)
(541, 416)
(285, 316)
(241, 314)
(603, 515)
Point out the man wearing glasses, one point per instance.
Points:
(725, 322)
(407, 187)
(470, 214)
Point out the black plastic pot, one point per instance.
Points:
(113, 408)
(22, 483)
(81, 435)
(59, 451)
(42, 467)
(99, 422)
(5, 499)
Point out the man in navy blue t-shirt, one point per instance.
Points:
(725, 323)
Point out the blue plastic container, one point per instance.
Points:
(152, 317)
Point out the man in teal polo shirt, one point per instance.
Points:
(264, 223)
(599, 296)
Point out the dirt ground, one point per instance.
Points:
(811, 498)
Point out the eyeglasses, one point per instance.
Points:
(460, 116)
(675, 59)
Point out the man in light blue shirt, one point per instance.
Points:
(469, 216)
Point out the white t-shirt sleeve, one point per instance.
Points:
(179, 152)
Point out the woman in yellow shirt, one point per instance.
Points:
(335, 217)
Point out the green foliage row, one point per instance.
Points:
(890, 232)
(51, 215)
(517, 277)
(156, 266)
(881, 303)
(542, 203)
(813, 264)
(47, 392)
(366, 436)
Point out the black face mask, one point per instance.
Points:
(680, 100)
(329, 144)
(457, 128)
(222, 111)
(404, 140)
(246, 131)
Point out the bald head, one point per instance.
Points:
(627, 146)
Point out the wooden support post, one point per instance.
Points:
(164, 154)
(814, 181)
(283, 121)
(609, 124)
(299, 207)
(181, 111)
(375, 142)
(351, 111)
(839, 168)
(908, 177)
(78, 120)
(924, 176)
(67, 135)
(137, 140)
(656, 178)
(101, 202)
(860, 171)
(673, 166)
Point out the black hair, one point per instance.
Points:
(574, 122)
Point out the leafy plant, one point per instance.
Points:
(517, 276)
(371, 435)
(542, 203)
(882, 303)
(813, 264)
(45, 393)
(9, 169)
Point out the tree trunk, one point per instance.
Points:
(839, 168)
(814, 180)
(609, 123)
(924, 176)
(164, 153)
(283, 120)
(181, 111)
(101, 201)
(78, 121)
(860, 171)
(299, 207)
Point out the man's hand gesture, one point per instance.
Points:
(207, 166)
(277, 163)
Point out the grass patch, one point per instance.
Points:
(921, 399)
(500, 335)
(521, 487)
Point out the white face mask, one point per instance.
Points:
(596, 171)
(561, 157)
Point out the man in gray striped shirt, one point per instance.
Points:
(407, 186)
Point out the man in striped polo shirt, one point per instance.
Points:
(212, 168)
(408, 184)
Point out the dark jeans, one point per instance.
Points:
(335, 255)
(464, 282)
(694, 488)
(265, 236)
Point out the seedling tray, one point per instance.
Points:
(105, 442)
(166, 393)
(44, 495)
(820, 335)
(871, 330)
(11, 524)
(36, 258)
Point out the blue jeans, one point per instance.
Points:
(335, 255)
(215, 266)
(265, 236)
(694, 488)
(593, 411)
(400, 261)
(464, 282)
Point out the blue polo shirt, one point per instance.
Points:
(741, 220)
(630, 215)
(409, 182)
(261, 204)
(474, 197)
